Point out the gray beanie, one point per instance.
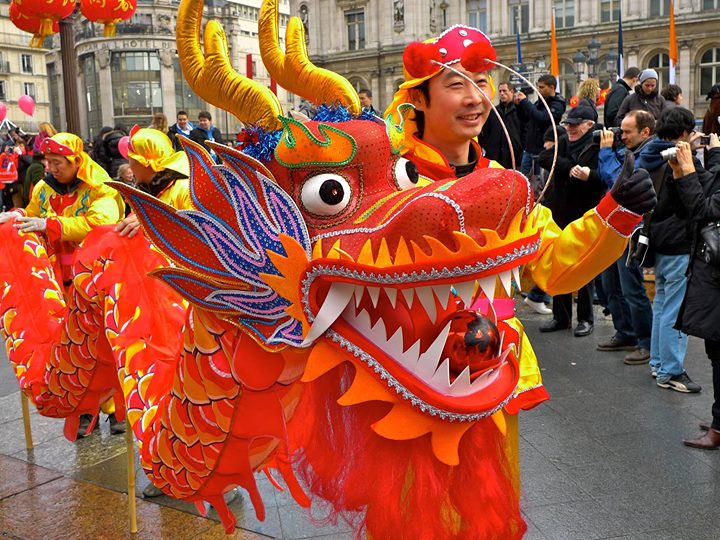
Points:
(648, 74)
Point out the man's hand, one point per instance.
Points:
(633, 189)
(581, 173)
(714, 141)
(519, 96)
(129, 226)
(607, 139)
(683, 164)
(9, 216)
(31, 224)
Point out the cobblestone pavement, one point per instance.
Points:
(602, 459)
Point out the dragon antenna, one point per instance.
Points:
(293, 70)
(211, 75)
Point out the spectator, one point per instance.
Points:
(111, 152)
(182, 126)
(700, 310)
(125, 174)
(492, 138)
(45, 130)
(538, 120)
(673, 95)
(590, 90)
(711, 120)
(34, 173)
(619, 91)
(646, 97)
(575, 189)
(159, 122)
(366, 101)
(205, 131)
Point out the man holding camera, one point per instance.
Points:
(624, 285)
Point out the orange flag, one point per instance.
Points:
(673, 50)
(554, 62)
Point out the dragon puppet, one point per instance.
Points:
(319, 312)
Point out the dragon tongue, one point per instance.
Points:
(335, 302)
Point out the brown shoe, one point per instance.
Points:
(638, 356)
(709, 441)
(704, 426)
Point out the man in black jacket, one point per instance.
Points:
(492, 137)
(205, 131)
(575, 189)
(182, 126)
(618, 93)
(537, 119)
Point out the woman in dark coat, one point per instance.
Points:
(700, 311)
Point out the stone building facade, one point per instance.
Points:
(364, 39)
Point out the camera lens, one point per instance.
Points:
(669, 154)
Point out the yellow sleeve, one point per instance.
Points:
(569, 258)
(33, 207)
(102, 209)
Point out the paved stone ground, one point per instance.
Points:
(603, 459)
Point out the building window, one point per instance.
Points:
(89, 71)
(709, 69)
(136, 86)
(564, 13)
(711, 5)
(660, 63)
(185, 98)
(659, 8)
(2, 91)
(29, 89)
(355, 21)
(609, 10)
(26, 63)
(476, 14)
(519, 16)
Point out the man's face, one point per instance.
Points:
(365, 100)
(204, 123)
(576, 131)
(631, 136)
(182, 121)
(457, 110)
(648, 86)
(546, 90)
(64, 170)
(505, 94)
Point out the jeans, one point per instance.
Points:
(616, 303)
(536, 294)
(668, 346)
(527, 163)
(632, 283)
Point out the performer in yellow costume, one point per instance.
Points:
(158, 170)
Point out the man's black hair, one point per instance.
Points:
(643, 119)
(632, 73)
(423, 87)
(205, 114)
(671, 92)
(548, 79)
(365, 91)
(181, 112)
(511, 86)
(674, 123)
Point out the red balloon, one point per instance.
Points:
(123, 146)
(27, 105)
(3, 112)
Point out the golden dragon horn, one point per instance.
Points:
(294, 71)
(212, 77)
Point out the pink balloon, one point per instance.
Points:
(123, 146)
(27, 105)
(3, 112)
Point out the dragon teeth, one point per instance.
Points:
(461, 385)
(409, 294)
(441, 379)
(374, 293)
(506, 281)
(465, 291)
(392, 295)
(427, 299)
(335, 303)
(487, 284)
(428, 362)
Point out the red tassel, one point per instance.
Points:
(418, 58)
(476, 57)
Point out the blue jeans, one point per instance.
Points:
(667, 349)
(616, 303)
(527, 162)
(632, 283)
(536, 294)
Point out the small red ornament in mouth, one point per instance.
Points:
(474, 341)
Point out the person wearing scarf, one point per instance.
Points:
(159, 171)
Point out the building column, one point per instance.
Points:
(632, 57)
(683, 73)
(106, 98)
(167, 84)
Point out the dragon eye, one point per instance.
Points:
(406, 174)
(325, 194)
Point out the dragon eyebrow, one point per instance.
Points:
(299, 147)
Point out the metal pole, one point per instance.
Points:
(67, 54)
(130, 446)
(26, 421)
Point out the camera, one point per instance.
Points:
(669, 154)
(616, 131)
(527, 90)
(636, 255)
(703, 140)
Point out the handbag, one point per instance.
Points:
(710, 250)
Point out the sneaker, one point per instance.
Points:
(637, 357)
(680, 383)
(116, 427)
(151, 490)
(617, 344)
(538, 307)
(653, 371)
(85, 421)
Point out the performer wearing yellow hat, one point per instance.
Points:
(70, 201)
(158, 170)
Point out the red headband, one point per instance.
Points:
(49, 146)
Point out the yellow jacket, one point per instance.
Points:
(177, 195)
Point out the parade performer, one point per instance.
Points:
(332, 331)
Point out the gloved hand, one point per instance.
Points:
(31, 224)
(634, 189)
(8, 216)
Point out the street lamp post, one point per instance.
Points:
(579, 60)
(593, 53)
